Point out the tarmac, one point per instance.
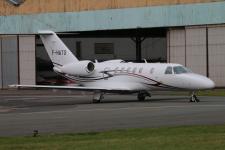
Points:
(23, 111)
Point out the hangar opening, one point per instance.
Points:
(130, 45)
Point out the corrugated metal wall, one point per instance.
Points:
(9, 60)
(27, 68)
(17, 67)
(196, 49)
(176, 46)
(0, 62)
(190, 45)
(43, 6)
(216, 38)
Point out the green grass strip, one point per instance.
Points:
(164, 138)
(215, 92)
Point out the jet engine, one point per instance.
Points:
(80, 68)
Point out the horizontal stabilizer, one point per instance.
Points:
(45, 32)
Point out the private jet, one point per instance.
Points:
(118, 76)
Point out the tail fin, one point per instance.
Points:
(57, 51)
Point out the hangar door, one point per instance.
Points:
(9, 61)
(216, 40)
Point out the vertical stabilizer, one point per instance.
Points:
(57, 51)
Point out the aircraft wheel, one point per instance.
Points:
(141, 97)
(191, 100)
(194, 98)
(96, 101)
(98, 97)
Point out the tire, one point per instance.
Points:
(191, 100)
(96, 101)
(141, 97)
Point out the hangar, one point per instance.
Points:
(189, 32)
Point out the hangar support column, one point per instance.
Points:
(138, 41)
(138, 48)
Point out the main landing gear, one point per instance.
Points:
(142, 95)
(97, 97)
(194, 98)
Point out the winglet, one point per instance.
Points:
(145, 61)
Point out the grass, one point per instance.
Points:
(215, 92)
(164, 138)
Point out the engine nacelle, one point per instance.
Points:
(81, 68)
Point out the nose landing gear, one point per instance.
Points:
(194, 98)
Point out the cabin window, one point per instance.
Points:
(169, 70)
(140, 70)
(134, 70)
(128, 69)
(117, 69)
(152, 70)
(122, 69)
(180, 70)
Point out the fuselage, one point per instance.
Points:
(143, 76)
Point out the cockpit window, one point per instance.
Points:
(169, 70)
(180, 70)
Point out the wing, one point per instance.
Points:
(81, 88)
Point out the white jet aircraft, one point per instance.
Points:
(117, 76)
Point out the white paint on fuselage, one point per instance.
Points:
(152, 77)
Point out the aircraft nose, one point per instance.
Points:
(200, 82)
(209, 84)
(206, 83)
